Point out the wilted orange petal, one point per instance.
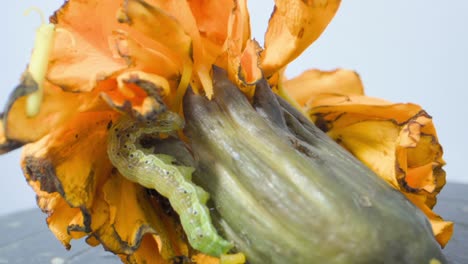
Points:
(426, 154)
(76, 65)
(422, 177)
(426, 151)
(181, 11)
(411, 131)
(293, 26)
(60, 214)
(235, 41)
(64, 184)
(250, 71)
(131, 78)
(202, 58)
(158, 59)
(62, 220)
(157, 25)
(350, 101)
(443, 230)
(238, 35)
(313, 83)
(132, 216)
(80, 189)
(147, 252)
(244, 22)
(80, 162)
(389, 139)
(247, 72)
(140, 95)
(327, 111)
(212, 18)
(374, 143)
(57, 108)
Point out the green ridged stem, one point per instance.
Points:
(286, 193)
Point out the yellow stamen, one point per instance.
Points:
(39, 62)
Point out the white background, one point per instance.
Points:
(405, 51)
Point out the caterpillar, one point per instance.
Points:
(159, 172)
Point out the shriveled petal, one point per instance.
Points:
(212, 18)
(57, 107)
(158, 25)
(443, 230)
(214, 22)
(193, 39)
(244, 67)
(139, 94)
(66, 174)
(328, 109)
(82, 193)
(62, 218)
(397, 141)
(249, 70)
(149, 56)
(83, 56)
(135, 225)
(312, 84)
(182, 12)
(374, 142)
(237, 37)
(202, 58)
(77, 164)
(293, 26)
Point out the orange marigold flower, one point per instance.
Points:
(124, 54)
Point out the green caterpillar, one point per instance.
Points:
(157, 171)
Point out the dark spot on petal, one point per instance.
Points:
(339, 140)
(301, 33)
(42, 171)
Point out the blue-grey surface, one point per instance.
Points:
(26, 239)
(405, 51)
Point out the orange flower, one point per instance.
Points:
(124, 53)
